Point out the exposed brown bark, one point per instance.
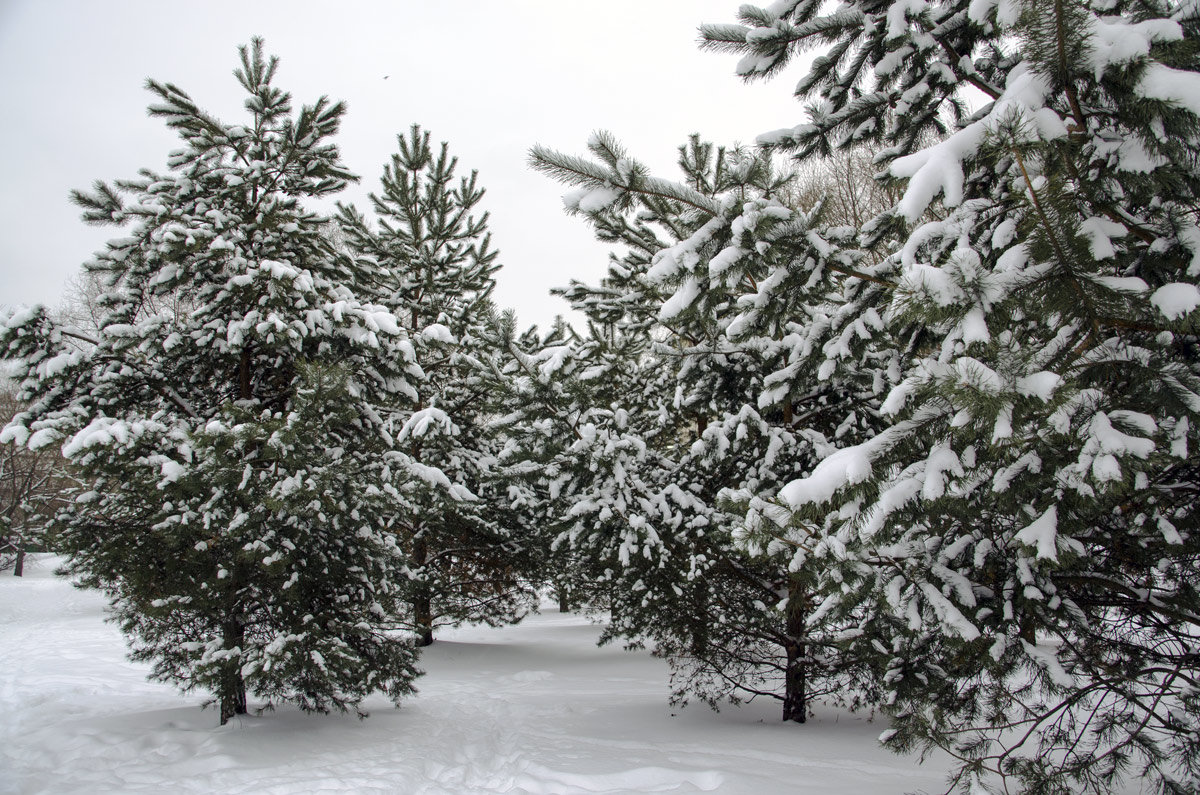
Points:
(423, 613)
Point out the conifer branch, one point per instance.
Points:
(168, 391)
(577, 171)
(1052, 236)
(1060, 33)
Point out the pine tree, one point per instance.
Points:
(239, 517)
(533, 450)
(432, 264)
(664, 472)
(1019, 542)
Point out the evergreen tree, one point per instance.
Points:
(240, 517)
(432, 264)
(532, 452)
(662, 473)
(1019, 543)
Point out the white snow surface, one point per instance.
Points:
(1043, 534)
(534, 708)
(1176, 300)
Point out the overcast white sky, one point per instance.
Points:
(492, 77)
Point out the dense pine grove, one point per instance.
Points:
(894, 410)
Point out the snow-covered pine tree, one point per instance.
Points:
(569, 395)
(224, 414)
(657, 487)
(1021, 539)
(533, 449)
(573, 451)
(431, 263)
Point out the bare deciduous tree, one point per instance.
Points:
(32, 482)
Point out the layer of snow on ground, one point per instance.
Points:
(535, 708)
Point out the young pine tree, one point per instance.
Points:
(225, 415)
(700, 423)
(432, 265)
(528, 462)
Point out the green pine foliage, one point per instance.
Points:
(325, 573)
(431, 263)
(656, 486)
(530, 459)
(225, 416)
(936, 456)
(1018, 544)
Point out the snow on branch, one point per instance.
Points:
(938, 169)
(606, 185)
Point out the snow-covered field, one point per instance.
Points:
(535, 708)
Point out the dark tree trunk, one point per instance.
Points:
(423, 613)
(564, 599)
(233, 633)
(19, 566)
(795, 695)
(422, 602)
(233, 686)
(700, 618)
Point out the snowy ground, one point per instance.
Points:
(535, 708)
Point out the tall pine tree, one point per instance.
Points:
(432, 264)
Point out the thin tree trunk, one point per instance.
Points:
(423, 613)
(232, 693)
(564, 599)
(700, 617)
(19, 566)
(422, 602)
(795, 695)
(233, 686)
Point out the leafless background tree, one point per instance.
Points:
(32, 484)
